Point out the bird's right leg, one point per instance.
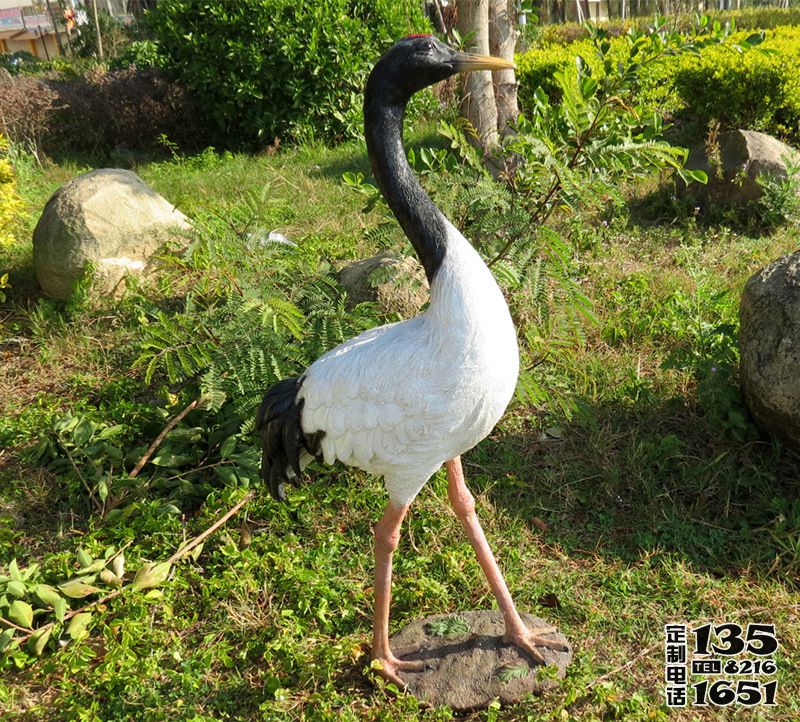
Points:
(387, 537)
(517, 632)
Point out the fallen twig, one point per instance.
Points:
(185, 548)
(97, 505)
(160, 438)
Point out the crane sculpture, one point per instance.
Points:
(400, 400)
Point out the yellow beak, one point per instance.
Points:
(467, 62)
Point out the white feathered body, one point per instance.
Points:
(400, 400)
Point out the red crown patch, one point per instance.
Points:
(418, 35)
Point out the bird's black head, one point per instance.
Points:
(418, 61)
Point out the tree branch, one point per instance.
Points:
(160, 438)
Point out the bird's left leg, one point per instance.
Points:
(517, 633)
(387, 537)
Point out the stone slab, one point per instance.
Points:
(469, 664)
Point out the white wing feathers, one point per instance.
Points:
(382, 400)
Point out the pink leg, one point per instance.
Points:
(516, 632)
(387, 537)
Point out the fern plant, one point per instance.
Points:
(252, 312)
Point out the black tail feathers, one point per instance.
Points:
(282, 439)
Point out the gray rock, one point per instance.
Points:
(468, 669)
(397, 285)
(108, 218)
(770, 347)
(743, 156)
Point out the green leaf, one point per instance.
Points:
(118, 565)
(169, 459)
(77, 626)
(77, 589)
(16, 589)
(29, 571)
(698, 176)
(111, 432)
(447, 627)
(228, 447)
(151, 575)
(60, 609)
(93, 567)
(108, 577)
(47, 594)
(13, 571)
(83, 432)
(21, 613)
(39, 639)
(186, 435)
(5, 638)
(84, 558)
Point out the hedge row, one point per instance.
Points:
(99, 112)
(758, 89)
(765, 18)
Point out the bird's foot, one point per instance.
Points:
(529, 640)
(388, 666)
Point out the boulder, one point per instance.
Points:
(108, 218)
(770, 348)
(733, 170)
(397, 285)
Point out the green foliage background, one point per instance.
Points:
(270, 68)
(755, 90)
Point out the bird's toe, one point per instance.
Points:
(388, 670)
(531, 640)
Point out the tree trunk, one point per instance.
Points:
(97, 30)
(502, 43)
(478, 105)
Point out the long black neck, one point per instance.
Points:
(421, 220)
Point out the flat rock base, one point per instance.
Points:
(469, 664)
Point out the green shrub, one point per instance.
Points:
(142, 54)
(538, 67)
(271, 68)
(759, 89)
(764, 18)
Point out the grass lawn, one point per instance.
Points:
(633, 494)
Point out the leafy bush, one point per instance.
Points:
(10, 203)
(115, 35)
(269, 68)
(758, 90)
(762, 18)
(577, 155)
(142, 54)
(18, 61)
(27, 110)
(233, 313)
(130, 109)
